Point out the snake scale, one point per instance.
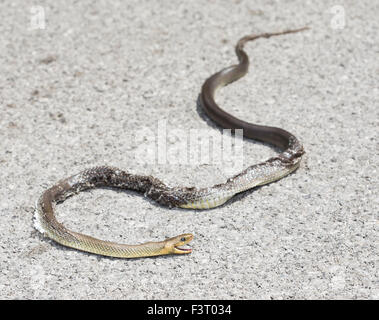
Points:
(195, 198)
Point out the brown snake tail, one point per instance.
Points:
(194, 198)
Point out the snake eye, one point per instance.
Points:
(183, 239)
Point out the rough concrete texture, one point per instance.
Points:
(77, 93)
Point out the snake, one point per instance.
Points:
(275, 168)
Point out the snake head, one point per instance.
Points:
(172, 244)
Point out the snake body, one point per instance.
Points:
(194, 198)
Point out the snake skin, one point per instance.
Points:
(184, 197)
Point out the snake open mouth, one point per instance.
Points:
(181, 241)
(182, 250)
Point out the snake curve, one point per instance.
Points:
(193, 198)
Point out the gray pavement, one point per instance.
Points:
(81, 80)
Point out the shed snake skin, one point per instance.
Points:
(193, 198)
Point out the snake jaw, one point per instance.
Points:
(178, 250)
(174, 243)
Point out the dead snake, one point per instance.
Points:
(195, 198)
